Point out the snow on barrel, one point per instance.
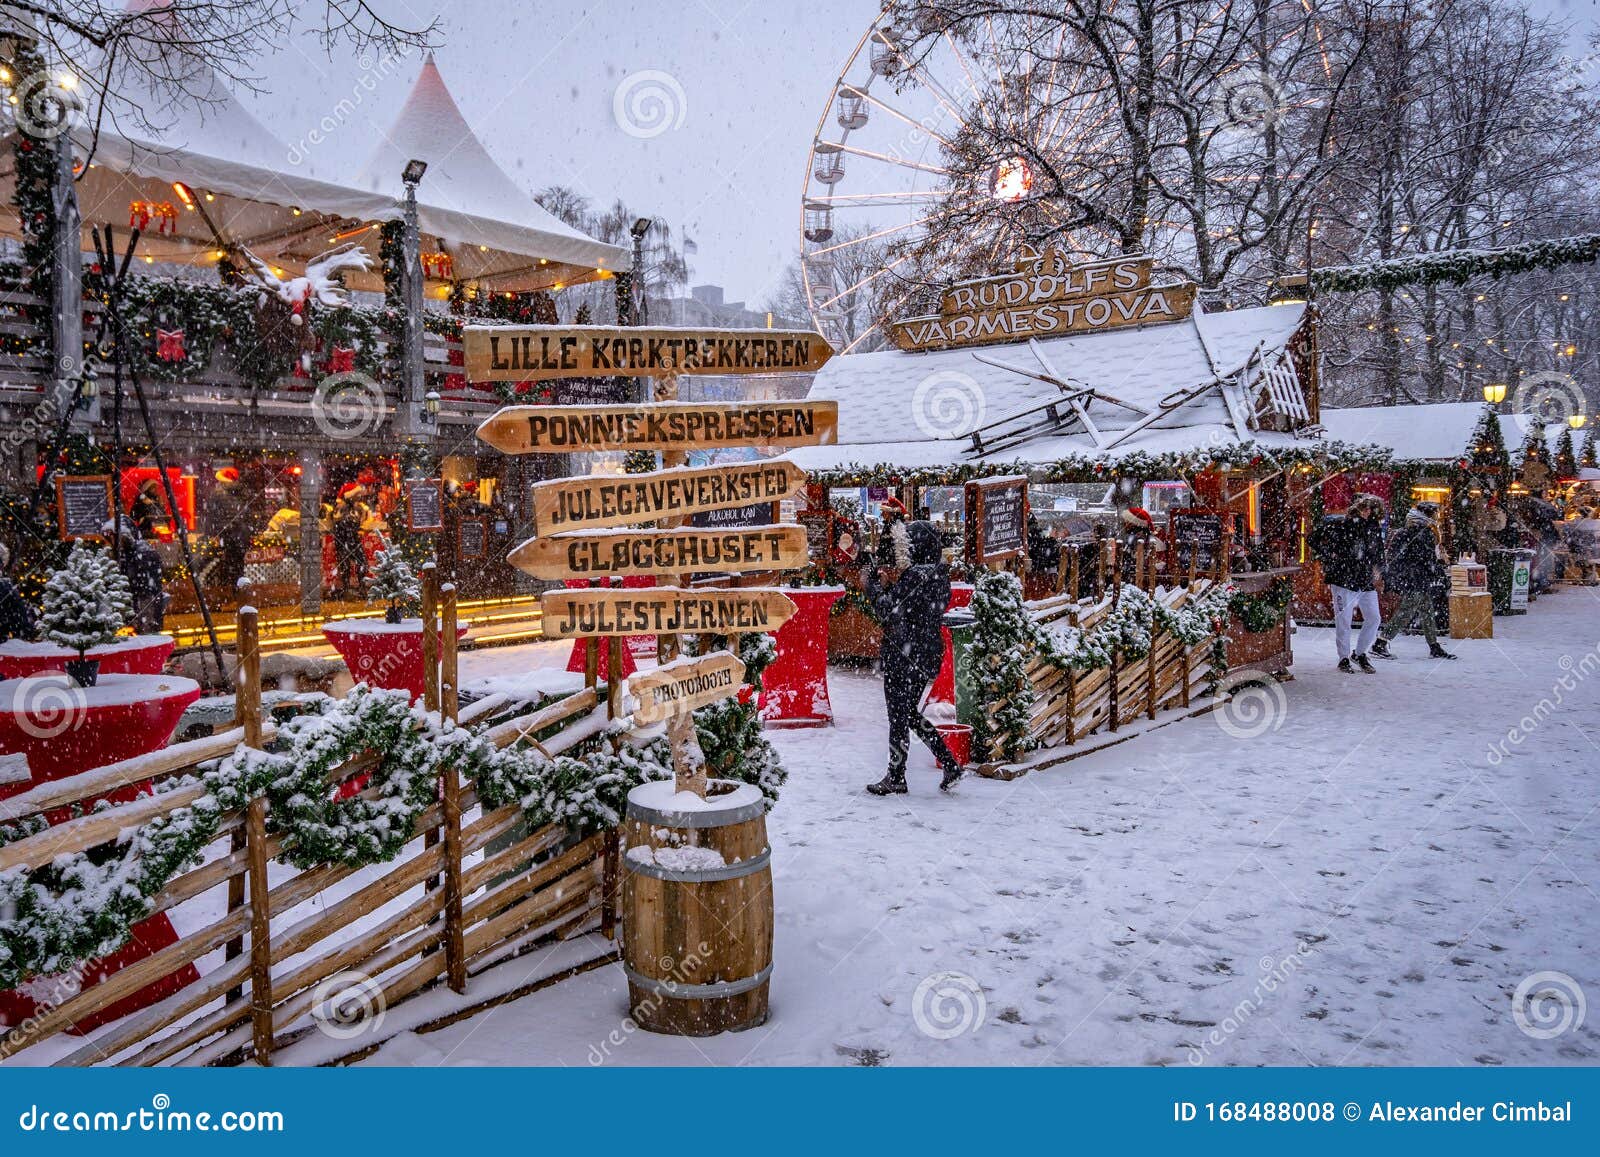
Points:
(697, 908)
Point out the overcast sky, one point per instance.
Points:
(538, 81)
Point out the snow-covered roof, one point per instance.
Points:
(916, 409)
(466, 197)
(1434, 432)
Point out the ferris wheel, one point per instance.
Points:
(917, 122)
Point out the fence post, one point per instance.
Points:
(247, 683)
(455, 952)
(591, 661)
(430, 675)
(1150, 673)
(244, 695)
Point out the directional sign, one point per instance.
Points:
(1146, 306)
(579, 614)
(617, 500)
(679, 426)
(685, 684)
(622, 552)
(530, 353)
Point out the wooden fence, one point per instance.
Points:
(1070, 705)
(472, 889)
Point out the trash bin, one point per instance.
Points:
(961, 626)
(1510, 578)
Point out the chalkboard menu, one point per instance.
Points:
(997, 519)
(473, 537)
(1197, 533)
(83, 506)
(819, 533)
(757, 514)
(425, 504)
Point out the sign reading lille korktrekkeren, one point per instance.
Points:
(531, 353)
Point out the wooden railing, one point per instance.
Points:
(1070, 705)
(470, 890)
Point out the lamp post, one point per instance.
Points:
(414, 422)
(641, 303)
(1494, 393)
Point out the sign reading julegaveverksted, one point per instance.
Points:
(576, 614)
(660, 426)
(616, 500)
(680, 549)
(525, 353)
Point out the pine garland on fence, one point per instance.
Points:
(1457, 265)
(1006, 639)
(1262, 612)
(83, 906)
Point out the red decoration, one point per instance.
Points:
(439, 265)
(341, 360)
(169, 345)
(164, 213)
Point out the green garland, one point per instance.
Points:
(1264, 611)
(1458, 266)
(1005, 636)
(83, 906)
(1329, 457)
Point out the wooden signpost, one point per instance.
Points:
(660, 426)
(680, 687)
(667, 497)
(996, 518)
(581, 613)
(531, 353)
(1157, 303)
(680, 549)
(595, 503)
(83, 506)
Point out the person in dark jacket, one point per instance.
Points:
(141, 566)
(1415, 572)
(1351, 552)
(16, 616)
(910, 611)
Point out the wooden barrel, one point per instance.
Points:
(696, 908)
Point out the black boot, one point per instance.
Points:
(1366, 665)
(1344, 665)
(1380, 648)
(1437, 652)
(952, 776)
(893, 783)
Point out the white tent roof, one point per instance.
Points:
(916, 409)
(466, 197)
(213, 144)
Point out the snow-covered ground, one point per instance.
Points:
(1363, 872)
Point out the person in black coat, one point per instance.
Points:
(141, 566)
(913, 648)
(16, 616)
(1415, 571)
(1351, 552)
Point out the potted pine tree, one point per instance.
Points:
(86, 603)
(394, 581)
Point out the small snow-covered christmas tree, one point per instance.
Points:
(999, 658)
(87, 601)
(394, 581)
(1566, 457)
(1589, 457)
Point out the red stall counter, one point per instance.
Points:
(794, 687)
(138, 655)
(383, 654)
(50, 728)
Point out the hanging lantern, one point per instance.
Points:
(1011, 180)
(163, 213)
